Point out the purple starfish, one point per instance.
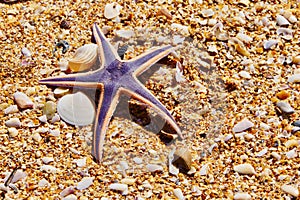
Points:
(115, 77)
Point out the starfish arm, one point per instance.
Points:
(141, 63)
(141, 93)
(107, 103)
(107, 52)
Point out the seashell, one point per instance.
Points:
(242, 196)
(84, 58)
(67, 191)
(125, 33)
(22, 100)
(49, 169)
(59, 92)
(291, 154)
(76, 109)
(292, 190)
(269, 43)
(80, 162)
(119, 187)
(112, 10)
(181, 28)
(244, 169)
(182, 159)
(282, 21)
(244, 38)
(154, 168)
(178, 194)
(47, 160)
(43, 183)
(207, 13)
(85, 183)
(13, 122)
(296, 60)
(242, 126)
(11, 109)
(285, 107)
(12, 132)
(49, 109)
(26, 52)
(244, 74)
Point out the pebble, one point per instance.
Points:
(296, 123)
(70, 197)
(242, 125)
(244, 74)
(204, 169)
(294, 78)
(125, 33)
(154, 168)
(119, 187)
(269, 43)
(13, 122)
(128, 181)
(290, 190)
(244, 169)
(262, 152)
(26, 52)
(112, 10)
(282, 21)
(11, 109)
(12, 132)
(282, 95)
(183, 159)
(49, 109)
(242, 196)
(47, 160)
(178, 194)
(49, 169)
(291, 154)
(22, 100)
(285, 107)
(43, 183)
(80, 162)
(85, 183)
(43, 118)
(67, 191)
(37, 137)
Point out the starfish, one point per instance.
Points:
(115, 77)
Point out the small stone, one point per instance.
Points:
(49, 169)
(244, 169)
(37, 137)
(282, 95)
(67, 191)
(296, 123)
(182, 159)
(112, 10)
(138, 160)
(13, 122)
(49, 109)
(269, 44)
(119, 187)
(12, 132)
(128, 181)
(43, 183)
(11, 109)
(154, 168)
(282, 21)
(55, 132)
(55, 118)
(178, 194)
(291, 154)
(85, 183)
(22, 100)
(26, 52)
(204, 169)
(242, 125)
(70, 197)
(285, 107)
(262, 152)
(244, 74)
(80, 162)
(43, 118)
(47, 160)
(294, 78)
(290, 190)
(276, 155)
(242, 196)
(125, 33)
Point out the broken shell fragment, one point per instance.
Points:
(207, 13)
(244, 169)
(268, 44)
(296, 60)
(59, 92)
(282, 21)
(285, 107)
(22, 100)
(84, 58)
(125, 33)
(76, 109)
(239, 46)
(112, 10)
(182, 159)
(49, 109)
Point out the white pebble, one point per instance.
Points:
(154, 168)
(291, 154)
(285, 107)
(26, 52)
(269, 43)
(242, 125)
(119, 187)
(242, 196)
(47, 160)
(80, 162)
(262, 152)
(244, 74)
(112, 10)
(49, 169)
(43, 183)
(178, 193)
(70, 197)
(85, 183)
(244, 169)
(290, 190)
(67, 191)
(37, 137)
(22, 100)
(12, 132)
(125, 33)
(13, 122)
(11, 109)
(43, 118)
(282, 21)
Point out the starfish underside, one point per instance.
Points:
(115, 77)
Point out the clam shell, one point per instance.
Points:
(84, 58)
(76, 109)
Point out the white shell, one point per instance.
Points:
(11, 109)
(84, 58)
(76, 109)
(178, 193)
(154, 168)
(242, 196)
(112, 10)
(290, 190)
(269, 43)
(22, 100)
(85, 183)
(13, 122)
(125, 33)
(282, 21)
(207, 13)
(244, 169)
(119, 187)
(242, 125)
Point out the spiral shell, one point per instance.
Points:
(84, 58)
